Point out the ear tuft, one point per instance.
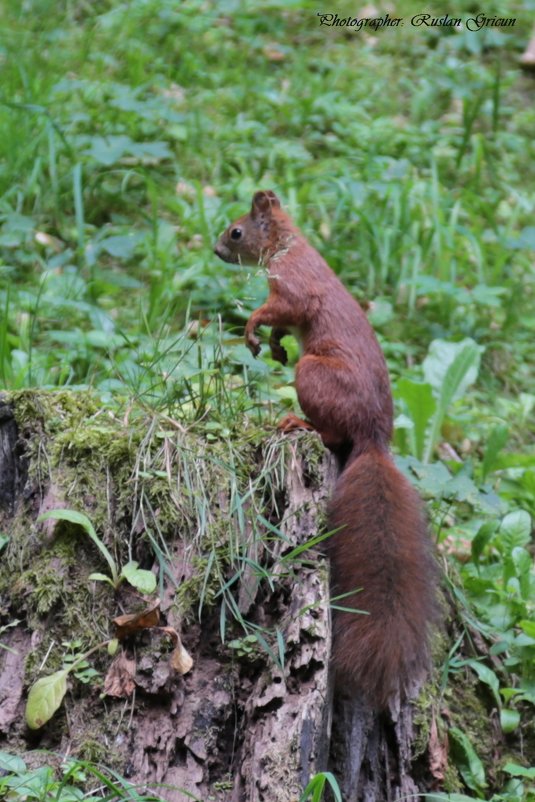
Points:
(264, 201)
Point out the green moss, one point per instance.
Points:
(452, 783)
(313, 452)
(224, 785)
(52, 411)
(43, 654)
(96, 750)
(469, 713)
(40, 586)
(202, 584)
(422, 719)
(76, 447)
(72, 425)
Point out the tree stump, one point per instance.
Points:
(247, 726)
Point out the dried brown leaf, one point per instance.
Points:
(438, 752)
(127, 625)
(119, 680)
(180, 660)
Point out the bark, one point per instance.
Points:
(372, 755)
(288, 712)
(251, 729)
(12, 464)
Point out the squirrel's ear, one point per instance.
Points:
(263, 202)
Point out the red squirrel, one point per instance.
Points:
(380, 552)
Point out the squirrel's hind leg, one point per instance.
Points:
(323, 391)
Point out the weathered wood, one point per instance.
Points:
(18, 643)
(371, 753)
(287, 715)
(10, 466)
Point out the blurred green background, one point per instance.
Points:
(132, 133)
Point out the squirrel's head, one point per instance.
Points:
(256, 236)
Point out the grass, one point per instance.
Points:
(132, 133)
(124, 156)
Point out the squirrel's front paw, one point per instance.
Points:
(291, 422)
(253, 343)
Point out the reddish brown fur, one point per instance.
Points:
(343, 387)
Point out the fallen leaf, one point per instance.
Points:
(180, 660)
(127, 625)
(438, 752)
(119, 680)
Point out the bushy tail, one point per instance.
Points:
(382, 557)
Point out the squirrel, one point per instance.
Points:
(382, 562)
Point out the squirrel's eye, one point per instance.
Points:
(236, 233)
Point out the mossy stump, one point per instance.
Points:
(220, 524)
